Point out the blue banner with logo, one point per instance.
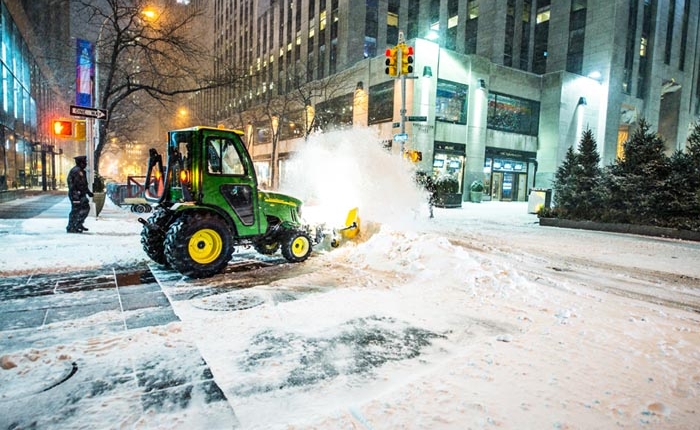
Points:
(85, 73)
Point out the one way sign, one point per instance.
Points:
(88, 112)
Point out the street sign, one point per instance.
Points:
(88, 112)
(416, 118)
(400, 137)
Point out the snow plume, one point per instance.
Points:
(336, 171)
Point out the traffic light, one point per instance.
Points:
(414, 156)
(391, 61)
(406, 59)
(62, 128)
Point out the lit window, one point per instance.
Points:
(322, 20)
(453, 21)
(473, 9)
(643, 47)
(435, 26)
(543, 16)
(451, 102)
(392, 20)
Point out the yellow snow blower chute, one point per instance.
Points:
(350, 230)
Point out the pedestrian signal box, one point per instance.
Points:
(62, 128)
(414, 156)
(79, 128)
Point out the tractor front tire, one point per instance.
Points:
(153, 236)
(296, 246)
(199, 245)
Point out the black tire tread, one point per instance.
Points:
(287, 246)
(177, 239)
(153, 240)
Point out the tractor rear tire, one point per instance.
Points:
(267, 248)
(296, 246)
(153, 236)
(199, 245)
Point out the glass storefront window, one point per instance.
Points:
(381, 102)
(513, 114)
(451, 102)
(335, 112)
(448, 166)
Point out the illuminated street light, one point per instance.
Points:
(149, 14)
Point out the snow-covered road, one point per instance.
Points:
(478, 318)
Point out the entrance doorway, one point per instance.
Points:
(509, 186)
(506, 174)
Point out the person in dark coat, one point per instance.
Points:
(425, 181)
(78, 193)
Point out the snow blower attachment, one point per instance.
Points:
(349, 231)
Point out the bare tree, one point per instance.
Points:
(296, 105)
(143, 53)
(309, 94)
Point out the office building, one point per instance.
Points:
(31, 93)
(505, 86)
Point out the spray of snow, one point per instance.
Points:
(337, 171)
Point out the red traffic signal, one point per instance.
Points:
(406, 59)
(391, 62)
(62, 128)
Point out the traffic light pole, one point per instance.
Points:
(399, 62)
(90, 150)
(403, 108)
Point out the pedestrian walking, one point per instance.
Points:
(78, 193)
(425, 181)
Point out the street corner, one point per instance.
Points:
(147, 377)
(82, 349)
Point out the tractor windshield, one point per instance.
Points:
(180, 161)
(179, 150)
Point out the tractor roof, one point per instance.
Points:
(207, 127)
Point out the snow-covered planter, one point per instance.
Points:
(448, 195)
(476, 191)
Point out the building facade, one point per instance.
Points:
(505, 86)
(31, 95)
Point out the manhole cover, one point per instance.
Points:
(28, 374)
(228, 302)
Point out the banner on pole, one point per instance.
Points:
(85, 73)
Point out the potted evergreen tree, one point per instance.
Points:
(476, 191)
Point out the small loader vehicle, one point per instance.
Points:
(207, 201)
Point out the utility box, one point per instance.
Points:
(539, 198)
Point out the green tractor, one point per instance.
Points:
(207, 202)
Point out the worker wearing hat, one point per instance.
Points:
(78, 193)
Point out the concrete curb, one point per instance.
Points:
(643, 230)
